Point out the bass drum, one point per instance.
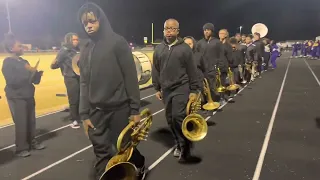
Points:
(143, 66)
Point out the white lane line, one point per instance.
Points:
(60, 128)
(314, 75)
(263, 152)
(161, 158)
(54, 112)
(68, 157)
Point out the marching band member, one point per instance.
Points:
(295, 50)
(238, 37)
(109, 90)
(72, 81)
(174, 77)
(275, 51)
(267, 53)
(251, 56)
(211, 47)
(314, 50)
(243, 38)
(259, 50)
(198, 58)
(236, 60)
(20, 78)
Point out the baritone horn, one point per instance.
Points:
(260, 28)
(119, 167)
(232, 86)
(194, 126)
(75, 64)
(210, 105)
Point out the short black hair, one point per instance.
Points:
(256, 33)
(237, 34)
(9, 41)
(244, 35)
(233, 40)
(250, 36)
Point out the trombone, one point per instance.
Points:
(210, 105)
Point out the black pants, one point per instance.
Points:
(109, 125)
(24, 117)
(266, 60)
(259, 67)
(236, 75)
(212, 84)
(175, 107)
(73, 91)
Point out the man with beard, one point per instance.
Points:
(20, 78)
(109, 91)
(64, 61)
(174, 77)
(260, 51)
(211, 48)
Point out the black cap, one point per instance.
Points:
(208, 26)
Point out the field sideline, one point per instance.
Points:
(51, 84)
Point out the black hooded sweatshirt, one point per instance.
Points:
(212, 50)
(108, 76)
(64, 57)
(173, 66)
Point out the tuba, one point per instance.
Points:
(260, 28)
(119, 167)
(194, 126)
(219, 87)
(210, 105)
(232, 85)
(75, 64)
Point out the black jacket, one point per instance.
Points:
(251, 53)
(64, 60)
(18, 79)
(212, 51)
(226, 57)
(108, 76)
(236, 58)
(173, 67)
(259, 48)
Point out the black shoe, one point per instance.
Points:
(37, 146)
(141, 173)
(184, 154)
(24, 154)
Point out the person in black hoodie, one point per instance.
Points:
(109, 90)
(211, 48)
(251, 56)
(236, 60)
(174, 77)
(72, 81)
(260, 51)
(20, 78)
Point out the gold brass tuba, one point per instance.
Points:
(233, 86)
(119, 166)
(210, 105)
(219, 87)
(194, 126)
(75, 64)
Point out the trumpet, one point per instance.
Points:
(219, 87)
(210, 105)
(120, 162)
(233, 86)
(194, 126)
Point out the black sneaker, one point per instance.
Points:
(37, 146)
(24, 154)
(141, 173)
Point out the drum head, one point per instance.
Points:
(138, 67)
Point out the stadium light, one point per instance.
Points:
(240, 29)
(8, 16)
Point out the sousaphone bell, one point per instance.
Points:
(260, 28)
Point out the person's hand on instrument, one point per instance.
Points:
(192, 96)
(136, 118)
(29, 68)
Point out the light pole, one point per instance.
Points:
(8, 16)
(240, 29)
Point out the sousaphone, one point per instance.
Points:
(75, 63)
(260, 28)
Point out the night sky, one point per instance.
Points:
(286, 19)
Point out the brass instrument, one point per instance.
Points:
(75, 64)
(210, 105)
(120, 162)
(34, 73)
(194, 126)
(219, 87)
(260, 28)
(232, 86)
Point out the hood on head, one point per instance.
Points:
(194, 42)
(105, 28)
